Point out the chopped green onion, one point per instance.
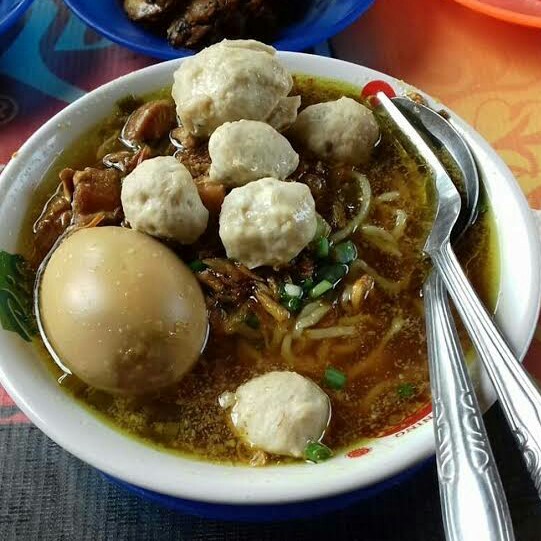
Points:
(332, 273)
(317, 452)
(323, 229)
(197, 265)
(321, 248)
(345, 252)
(290, 297)
(405, 390)
(320, 288)
(292, 290)
(307, 284)
(293, 304)
(252, 320)
(335, 379)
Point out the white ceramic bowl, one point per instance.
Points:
(69, 424)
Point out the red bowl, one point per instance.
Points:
(524, 12)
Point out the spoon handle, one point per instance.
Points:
(518, 394)
(474, 507)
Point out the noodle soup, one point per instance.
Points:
(362, 340)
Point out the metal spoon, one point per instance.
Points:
(518, 394)
(473, 503)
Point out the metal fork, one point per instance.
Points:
(474, 506)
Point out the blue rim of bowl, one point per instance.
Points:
(13, 16)
(167, 52)
(276, 512)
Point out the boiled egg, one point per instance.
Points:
(121, 310)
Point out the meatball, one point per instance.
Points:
(248, 150)
(267, 222)
(160, 198)
(279, 412)
(285, 113)
(342, 131)
(229, 81)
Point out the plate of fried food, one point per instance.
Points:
(175, 28)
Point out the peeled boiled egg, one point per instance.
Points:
(121, 310)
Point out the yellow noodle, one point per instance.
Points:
(310, 315)
(388, 197)
(374, 357)
(360, 290)
(346, 348)
(381, 239)
(345, 297)
(322, 352)
(355, 319)
(278, 333)
(366, 200)
(400, 224)
(387, 285)
(286, 350)
(330, 332)
(278, 312)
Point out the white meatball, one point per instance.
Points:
(267, 222)
(279, 412)
(285, 113)
(159, 197)
(340, 131)
(248, 150)
(229, 81)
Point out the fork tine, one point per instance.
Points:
(448, 199)
(409, 135)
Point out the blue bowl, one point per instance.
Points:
(268, 513)
(322, 19)
(11, 11)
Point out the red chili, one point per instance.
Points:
(373, 87)
(358, 452)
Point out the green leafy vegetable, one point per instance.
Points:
(16, 283)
